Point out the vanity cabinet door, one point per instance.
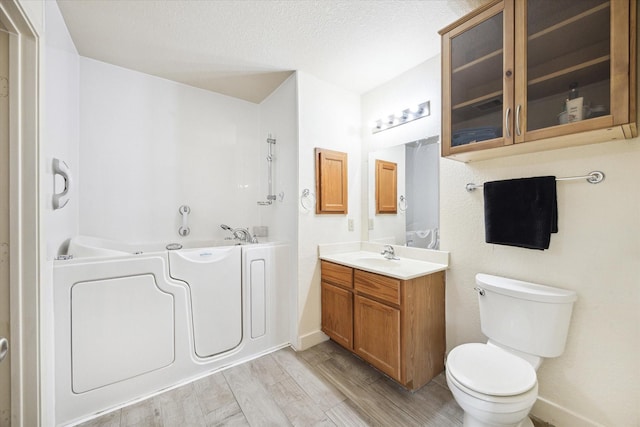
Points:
(337, 314)
(377, 335)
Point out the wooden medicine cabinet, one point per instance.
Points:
(386, 187)
(331, 182)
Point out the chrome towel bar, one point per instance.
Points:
(593, 177)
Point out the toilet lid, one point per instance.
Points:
(490, 370)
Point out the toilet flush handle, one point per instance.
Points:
(480, 291)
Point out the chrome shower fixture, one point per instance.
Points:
(270, 197)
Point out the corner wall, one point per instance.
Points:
(328, 117)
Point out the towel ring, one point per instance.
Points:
(402, 204)
(307, 200)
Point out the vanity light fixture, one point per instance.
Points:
(401, 117)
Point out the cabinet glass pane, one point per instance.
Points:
(568, 61)
(476, 83)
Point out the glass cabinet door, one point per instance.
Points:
(568, 63)
(479, 94)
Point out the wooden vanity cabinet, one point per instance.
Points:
(337, 303)
(398, 325)
(509, 67)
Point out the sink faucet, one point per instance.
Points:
(389, 252)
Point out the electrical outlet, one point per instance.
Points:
(370, 223)
(350, 224)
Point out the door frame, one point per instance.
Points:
(24, 219)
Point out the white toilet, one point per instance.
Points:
(495, 383)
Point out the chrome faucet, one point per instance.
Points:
(389, 252)
(241, 234)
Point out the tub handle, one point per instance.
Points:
(480, 291)
(61, 199)
(184, 230)
(4, 348)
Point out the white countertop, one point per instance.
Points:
(366, 256)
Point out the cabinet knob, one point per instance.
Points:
(508, 73)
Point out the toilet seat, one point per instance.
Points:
(490, 371)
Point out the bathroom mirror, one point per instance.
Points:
(416, 222)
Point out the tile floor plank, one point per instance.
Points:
(180, 407)
(226, 415)
(213, 393)
(381, 410)
(316, 386)
(144, 413)
(420, 409)
(112, 419)
(345, 414)
(299, 407)
(267, 370)
(256, 403)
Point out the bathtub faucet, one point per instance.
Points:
(242, 234)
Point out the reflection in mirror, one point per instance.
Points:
(386, 187)
(417, 220)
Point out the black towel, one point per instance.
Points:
(521, 212)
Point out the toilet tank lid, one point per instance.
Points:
(525, 290)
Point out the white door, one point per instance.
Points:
(5, 367)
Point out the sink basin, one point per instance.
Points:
(379, 262)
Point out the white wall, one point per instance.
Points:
(150, 145)
(278, 117)
(596, 252)
(329, 117)
(59, 139)
(60, 135)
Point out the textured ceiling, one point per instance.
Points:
(246, 48)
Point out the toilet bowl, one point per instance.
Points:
(491, 385)
(496, 383)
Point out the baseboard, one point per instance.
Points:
(558, 416)
(309, 340)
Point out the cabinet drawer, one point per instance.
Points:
(381, 287)
(337, 274)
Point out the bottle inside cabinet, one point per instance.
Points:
(568, 50)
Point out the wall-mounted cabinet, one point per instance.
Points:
(386, 187)
(395, 325)
(509, 68)
(331, 182)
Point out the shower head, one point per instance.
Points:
(226, 227)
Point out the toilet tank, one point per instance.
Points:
(525, 316)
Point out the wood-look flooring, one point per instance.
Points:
(322, 386)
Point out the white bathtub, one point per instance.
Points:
(131, 320)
